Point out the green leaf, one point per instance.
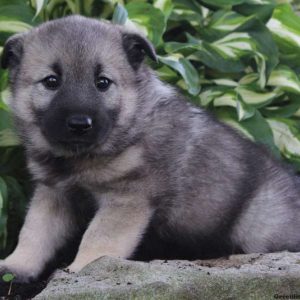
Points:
(256, 127)
(234, 45)
(3, 197)
(249, 79)
(16, 191)
(8, 138)
(167, 74)
(3, 189)
(227, 99)
(171, 47)
(5, 119)
(261, 69)
(266, 48)
(285, 78)
(214, 59)
(286, 136)
(244, 111)
(223, 2)
(8, 277)
(234, 51)
(4, 81)
(190, 5)
(254, 98)
(120, 15)
(285, 27)
(235, 2)
(14, 26)
(1, 203)
(165, 6)
(4, 99)
(261, 131)
(225, 82)
(3, 231)
(185, 69)
(228, 116)
(17, 10)
(147, 18)
(231, 98)
(285, 108)
(262, 10)
(227, 21)
(209, 94)
(39, 6)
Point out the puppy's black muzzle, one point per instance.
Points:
(76, 118)
(73, 129)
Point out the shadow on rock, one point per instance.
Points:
(21, 291)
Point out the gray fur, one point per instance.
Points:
(166, 179)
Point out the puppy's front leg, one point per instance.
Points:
(115, 230)
(46, 228)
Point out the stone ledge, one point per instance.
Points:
(253, 276)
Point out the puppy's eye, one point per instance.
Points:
(51, 82)
(102, 83)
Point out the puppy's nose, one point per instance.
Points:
(79, 123)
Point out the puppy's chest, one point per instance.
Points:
(124, 171)
(110, 178)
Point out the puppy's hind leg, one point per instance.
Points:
(47, 226)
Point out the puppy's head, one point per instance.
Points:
(73, 80)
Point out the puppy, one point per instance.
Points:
(124, 163)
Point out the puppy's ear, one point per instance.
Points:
(12, 52)
(136, 48)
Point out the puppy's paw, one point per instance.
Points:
(76, 266)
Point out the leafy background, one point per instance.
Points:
(238, 58)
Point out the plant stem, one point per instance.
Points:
(9, 290)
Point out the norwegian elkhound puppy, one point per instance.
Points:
(126, 165)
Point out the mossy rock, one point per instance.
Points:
(254, 276)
